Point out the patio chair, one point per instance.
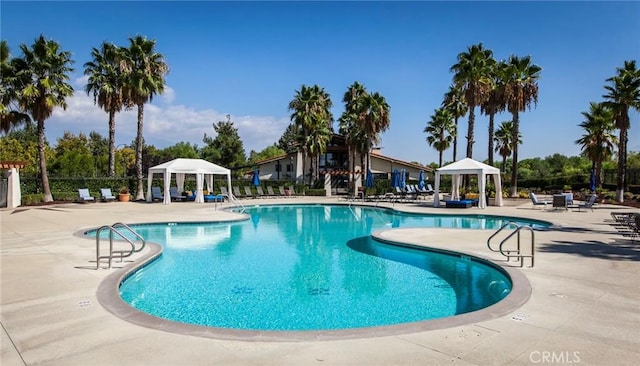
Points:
(588, 204)
(236, 192)
(156, 194)
(536, 202)
(283, 193)
(224, 191)
(560, 201)
(270, 192)
(85, 196)
(106, 195)
(248, 193)
(175, 195)
(260, 192)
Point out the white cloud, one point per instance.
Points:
(164, 124)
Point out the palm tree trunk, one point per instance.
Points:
(514, 163)
(491, 118)
(440, 160)
(622, 165)
(598, 173)
(504, 164)
(455, 142)
(112, 143)
(139, 142)
(472, 120)
(44, 176)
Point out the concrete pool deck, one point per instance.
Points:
(584, 307)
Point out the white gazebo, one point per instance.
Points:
(469, 166)
(203, 170)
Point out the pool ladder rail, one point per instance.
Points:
(517, 253)
(113, 229)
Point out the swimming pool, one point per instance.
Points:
(309, 267)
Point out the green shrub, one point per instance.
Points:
(32, 199)
(315, 192)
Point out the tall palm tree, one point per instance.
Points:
(473, 76)
(43, 77)
(10, 114)
(455, 103)
(441, 131)
(311, 107)
(598, 141)
(494, 103)
(623, 94)
(144, 72)
(520, 83)
(105, 83)
(504, 142)
(354, 100)
(375, 121)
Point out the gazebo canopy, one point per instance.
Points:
(469, 166)
(203, 170)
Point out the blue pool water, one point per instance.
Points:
(309, 267)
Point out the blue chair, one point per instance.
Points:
(106, 195)
(85, 196)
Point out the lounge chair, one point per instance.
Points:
(536, 202)
(248, 193)
(270, 191)
(85, 196)
(156, 194)
(236, 192)
(458, 204)
(283, 193)
(106, 195)
(224, 191)
(588, 204)
(175, 195)
(260, 192)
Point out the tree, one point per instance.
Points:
(311, 107)
(598, 141)
(226, 148)
(504, 142)
(105, 83)
(350, 124)
(494, 103)
(454, 102)
(376, 120)
(290, 139)
(10, 114)
(144, 72)
(520, 78)
(473, 77)
(266, 153)
(43, 85)
(441, 131)
(623, 94)
(180, 150)
(73, 156)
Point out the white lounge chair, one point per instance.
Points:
(106, 195)
(84, 195)
(536, 202)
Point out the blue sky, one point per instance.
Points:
(247, 59)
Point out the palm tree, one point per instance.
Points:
(311, 108)
(493, 104)
(454, 102)
(520, 83)
(598, 142)
(350, 126)
(504, 142)
(623, 94)
(144, 71)
(43, 85)
(473, 77)
(375, 120)
(10, 114)
(105, 82)
(441, 131)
